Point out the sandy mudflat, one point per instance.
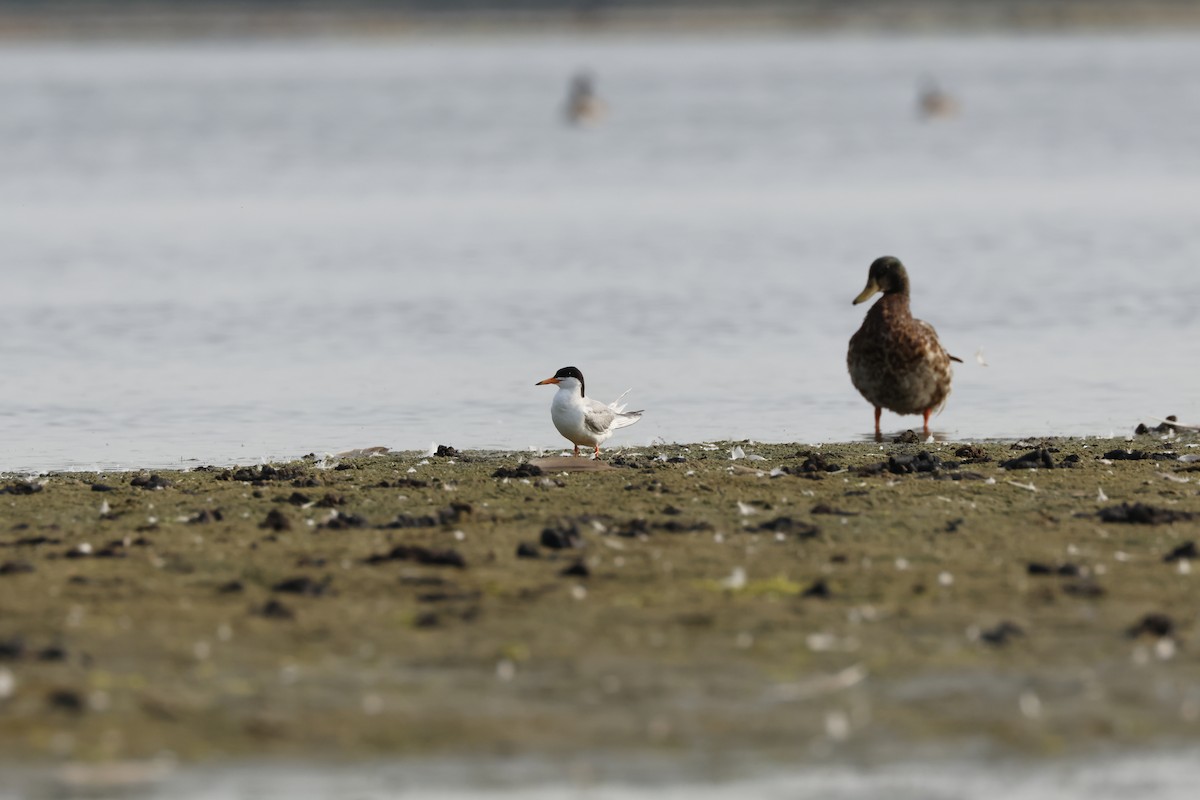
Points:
(883, 597)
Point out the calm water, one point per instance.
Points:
(224, 253)
(1163, 776)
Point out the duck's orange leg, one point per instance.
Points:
(878, 432)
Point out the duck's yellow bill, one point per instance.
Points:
(865, 294)
(548, 380)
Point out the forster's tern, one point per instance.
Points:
(582, 420)
(895, 360)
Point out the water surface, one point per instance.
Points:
(229, 252)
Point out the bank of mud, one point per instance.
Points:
(1032, 597)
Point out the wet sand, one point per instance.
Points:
(1021, 597)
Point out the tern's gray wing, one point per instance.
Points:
(598, 418)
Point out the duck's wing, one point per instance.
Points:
(933, 337)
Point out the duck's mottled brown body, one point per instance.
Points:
(895, 360)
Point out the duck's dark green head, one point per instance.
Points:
(887, 275)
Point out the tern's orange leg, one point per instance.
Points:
(878, 432)
(928, 411)
(577, 451)
(597, 455)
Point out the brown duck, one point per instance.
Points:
(895, 360)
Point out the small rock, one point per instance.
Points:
(52, 652)
(527, 550)
(1067, 570)
(1187, 551)
(66, 700)
(303, 585)
(1153, 624)
(523, 470)
(819, 589)
(421, 555)
(561, 537)
(15, 567)
(231, 588)
(1001, 633)
(1142, 514)
(273, 609)
(150, 482)
(1034, 459)
(578, 570)
(276, 521)
(792, 527)
(22, 487)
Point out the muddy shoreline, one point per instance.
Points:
(1031, 597)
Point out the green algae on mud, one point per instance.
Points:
(790, 602)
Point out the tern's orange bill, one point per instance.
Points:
(548, 380)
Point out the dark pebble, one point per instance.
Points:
(1034, 459)
(426, 619)
(1142, 514)
(1084, 589)
(527, 550)
(1162, 427)
(231, 587)
(22, 487)
(678, 526)
(561, 537)
(276, 521)
(630, 529)
(303, 585)
(1187, 550)
(1126, 455)
(205, 516)
(102, 487)
(262, 473)
(972, 454)
(11, 649)
(273, 609)
(1153, 624)
(819, 589)
(421, 555)
(524, 470)
(578, 570)
(824, 508)
(65, 700)
(953, 525)
(1001, 633)
(450, 515)
(297, 499)
(813, 462)
(908, 437)
(36, 540)
(331, 500)
(15, 567)
(150, 482)
(445, 451)
(52, 652)
(1066, 570)
(792, 527)
(342, 521)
